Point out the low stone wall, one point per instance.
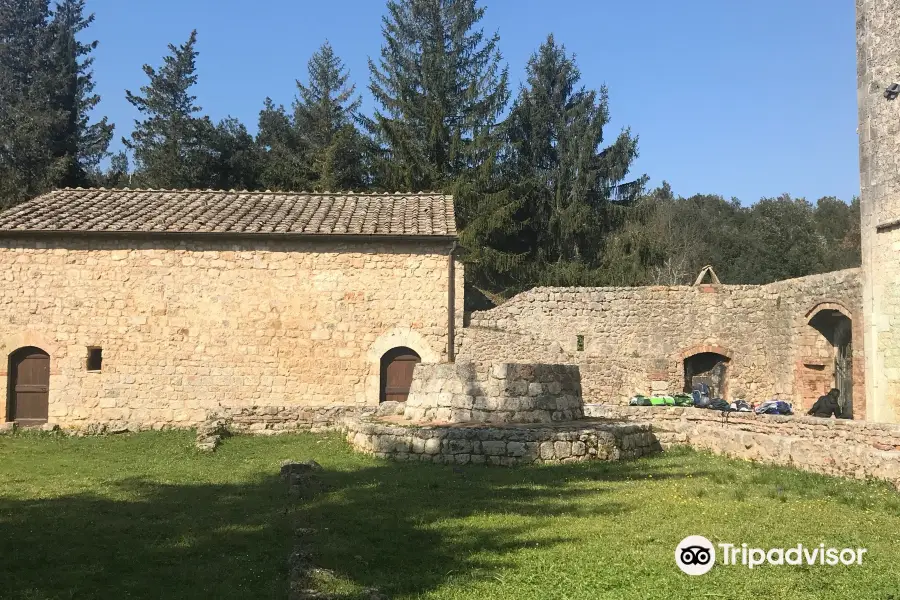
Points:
(504, 446)
(829, 446)
(271, 420)
(502, 393)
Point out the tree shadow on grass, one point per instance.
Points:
(394, 526)
(165, 541)
(386, 525)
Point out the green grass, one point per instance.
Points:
(146, 516)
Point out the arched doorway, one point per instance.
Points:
(837, 329)
(397, 367)
(29, 386)
(709, 368)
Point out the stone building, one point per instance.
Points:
(157, 308)
(792, 340)
(878, 65)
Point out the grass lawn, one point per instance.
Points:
(146, 516)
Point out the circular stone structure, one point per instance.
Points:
(504, 445)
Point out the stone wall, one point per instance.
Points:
(504, 446)
(502, 393)
(187, 328)
(273, 420)
(878, 66)
(635, 340)
(829, 446)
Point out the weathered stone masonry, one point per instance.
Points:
(828, 446)
(504, 393)
(189, 327)
(635, 340)
(878, 67)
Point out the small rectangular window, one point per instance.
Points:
(95, 359)
(579, 341)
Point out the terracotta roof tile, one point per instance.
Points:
(211, 212)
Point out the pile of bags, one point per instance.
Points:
(699, 398)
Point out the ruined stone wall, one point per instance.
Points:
(635, 340)
(503, 393)
(187, 328)
(854, 449)
(878, 66)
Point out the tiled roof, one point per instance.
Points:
(211, 212)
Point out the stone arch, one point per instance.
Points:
(14, 341)
(397, 337)
(708, 363)
(825, 347)
(827, 305)
(402, 336)
(23, 339)
(704, 349)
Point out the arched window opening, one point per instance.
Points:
(708, 368)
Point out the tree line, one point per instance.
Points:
(542, 197)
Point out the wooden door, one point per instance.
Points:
(397, 373)
(29, 386)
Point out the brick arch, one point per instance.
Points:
(827, 305)
(703, 348)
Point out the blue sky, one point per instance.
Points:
(739, 98)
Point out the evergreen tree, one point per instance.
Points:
(441, 90)
(171, 144)
(234, 157)
(79, 143)
(47, 139)
(117, 175)
(324, 116)
(29, 119)
(558, 168)
(284, 152)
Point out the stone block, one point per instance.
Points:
(515, 449)
(432, 446)
(493, 448)
(547, 451)
(562, 450)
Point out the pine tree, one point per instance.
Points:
(441, 90)
(117, 175)
(29, 120)
(558, 169)
(234, 157)
(284, 152)
(171, 144)
(80, 143)
(324, 116)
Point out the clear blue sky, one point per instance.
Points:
(745, 98)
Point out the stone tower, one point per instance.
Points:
(878, 67)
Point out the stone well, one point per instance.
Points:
(501, 393)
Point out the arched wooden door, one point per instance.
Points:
(29, 386)
(396, 373)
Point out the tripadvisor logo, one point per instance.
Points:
(696, 555)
